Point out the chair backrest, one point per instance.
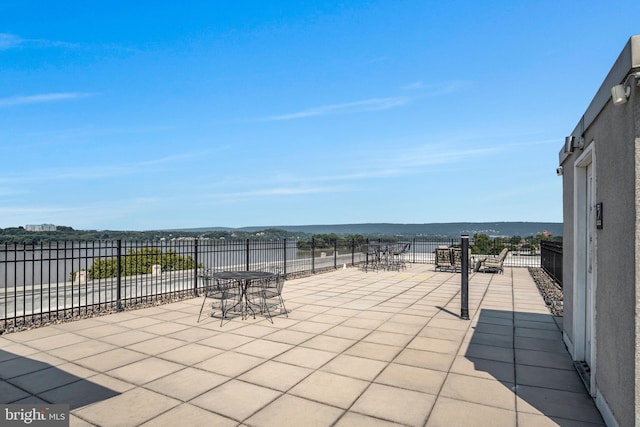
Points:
(207, 282)
(503, 254)
(276, 269)
(456, 255)
(443, 256)
(274, 284)
(279, 283)
(224, 285)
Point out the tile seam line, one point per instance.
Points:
(444, 282)
(459, 346)
(513, 340)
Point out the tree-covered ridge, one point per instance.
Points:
(19, 235)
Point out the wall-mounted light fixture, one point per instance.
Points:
(571, 143)
(568, 144)
(559, 171)
(620, 93)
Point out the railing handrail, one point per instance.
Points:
(551, 259)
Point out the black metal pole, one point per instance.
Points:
(464, 309)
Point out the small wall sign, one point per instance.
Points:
(599, 216)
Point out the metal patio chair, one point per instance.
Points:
(271, 293)
(373, 253)
(226, 292)
(397, 255)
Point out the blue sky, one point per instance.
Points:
(152, 115)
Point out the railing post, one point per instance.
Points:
(313, 256)
(464, 309)
(335, 254)
(195, 267)
(413, 249)
(247, 250)
(353, 252)
(366, 255)
(119, 274)
(284, 269)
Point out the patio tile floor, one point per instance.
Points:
(358, 349)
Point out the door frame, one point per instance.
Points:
(584, 224)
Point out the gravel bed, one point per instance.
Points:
(25, 323)
(549, 289)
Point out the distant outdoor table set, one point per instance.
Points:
(239, 287)
(388, 256)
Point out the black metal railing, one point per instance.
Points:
(551, 259)
(57, 281)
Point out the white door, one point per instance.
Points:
(589, 250)
(585, 265)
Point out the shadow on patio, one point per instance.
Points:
(26, 380)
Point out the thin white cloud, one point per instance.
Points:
(516, 193)
(40, 98)
(9, 41)
(10, 191)
(12, 41)
(374, 104)
(284, 191)
(435, 89)
(92, 131)
(21, 211)
(427, 156)
(538, 142)
(84, 214)
(413, 86)
(411, 162)
(92, 172)
(242, 196)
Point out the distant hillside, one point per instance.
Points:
(452, 229)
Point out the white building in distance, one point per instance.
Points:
(41, 227)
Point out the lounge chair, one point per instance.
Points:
(492, 264)
(456, 259)
(443, 258)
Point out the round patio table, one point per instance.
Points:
(243, 279)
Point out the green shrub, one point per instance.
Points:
(140, 262)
